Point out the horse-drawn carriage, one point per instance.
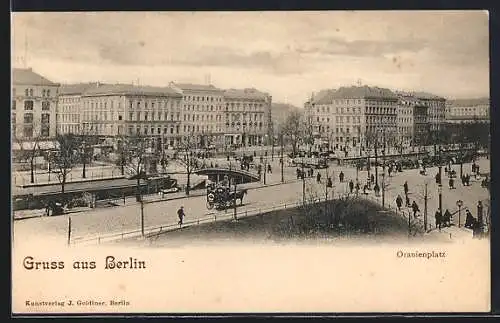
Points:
(222, 197)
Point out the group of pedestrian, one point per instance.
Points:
(465, 180)
(442, 220)
(302, 174)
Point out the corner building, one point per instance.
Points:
(33, 105)
(345, 117)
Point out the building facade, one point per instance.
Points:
(247, 117)
(70, 108)
(436, 110)
(111, 110)
(34, 105)
(202, 110)
(350, 116)
(468, 111)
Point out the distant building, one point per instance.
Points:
(468, 111)
(34, 105)
(345, 117)
(247, 116)
(202, 110)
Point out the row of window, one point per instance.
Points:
(74, 118)
(29, 104)
(28, 131)
(29, 92)
(166, 104)
(340, 130)
(28, 118)
(202, 98)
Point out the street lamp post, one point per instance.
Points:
(440, 191)
(234, 200)
(459, 204)
(282, 161)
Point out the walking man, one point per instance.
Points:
(438, 219)
(399, 202)
(406, 187)
(181, 215)
(341, 176)
(351, 186)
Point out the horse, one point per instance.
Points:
(238, 195)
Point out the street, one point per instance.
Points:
(127, 218)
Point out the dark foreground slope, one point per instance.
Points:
(346, 219)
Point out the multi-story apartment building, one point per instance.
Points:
(69, 107)
(468, 111)
(413, 120)
(247, 117)
(202, 111)
(34, 104)
(348, 116)
(436, 109)
(111, 110)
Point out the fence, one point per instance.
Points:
(45, 177)
(211, 217)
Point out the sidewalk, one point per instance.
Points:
(151, 198)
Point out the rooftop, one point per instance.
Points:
(469, 102)
(419, 95)
(245, 94)
(76, 88)
(195, 87)
(130, 89)
(356, 92)
(26, 76)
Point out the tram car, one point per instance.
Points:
(221, 197)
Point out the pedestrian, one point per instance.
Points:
(329, 182)
(469, 219)
(365, 187)
(341, 176)
(318, 178)
(467, 180)
(399, 202)
(438, 219)
(451, 183)
(376, 189)
(298, 173)
(462, 177)
(415, 209)
(351, 185)
(357, 188)
(181, 214)
(372, 178)
(269, 168)
(447, 218)
(405, 185)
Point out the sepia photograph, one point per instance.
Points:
(250, 162)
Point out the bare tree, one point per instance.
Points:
(87, 138)
(307, 131)
(66, 157)
(292, 129)
(187, 157)
(28, 155)
(133, 153)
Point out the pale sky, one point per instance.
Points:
(288, 54)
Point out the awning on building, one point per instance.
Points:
(28, 145)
